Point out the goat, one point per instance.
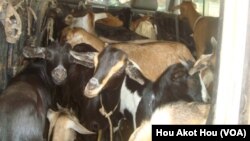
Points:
(122, 14)
(174, 84)
(178, 30)
(86, 22)
(24, 102)
(53, 23)
(180, 112)
(88, 110)
(117, 33)
(75, 36)
(134, 23)
(110, 20)
(205, 65)
(103, 24)
(102, 27)
(113, 64)
(144, 26)
(154, 52)
(63, 124)
(203, 27)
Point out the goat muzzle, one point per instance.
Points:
(93, 88)
(59, 75)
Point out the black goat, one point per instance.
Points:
(87, 110)
(24, 103)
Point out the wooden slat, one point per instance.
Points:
(3, 58)
(11, 54)
(245, 99)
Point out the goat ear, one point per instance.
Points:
(98, 16)
(178, 74)
(75, 125)
(51, 114)
(34, 52)
(200, 64)
(183, 62)
(186, 63)
(59, 106)
(86, 59)
(214, 43)
(133, 71)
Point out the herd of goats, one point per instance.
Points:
(88, 87)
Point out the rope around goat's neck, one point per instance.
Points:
(196, 21)
(108, 115)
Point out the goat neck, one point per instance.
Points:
(193, 17)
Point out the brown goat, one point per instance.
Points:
(174, 113)
(203, 27)
(77, 35)
(64, 124)
(111, 21)
(153, 57)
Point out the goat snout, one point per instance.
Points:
(59, 74)
(93, 83)
(93, 88)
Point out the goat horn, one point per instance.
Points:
(184, 63)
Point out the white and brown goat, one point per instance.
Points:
(64, 125)
(152, 57)
(86, 22)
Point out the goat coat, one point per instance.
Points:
(23, 104)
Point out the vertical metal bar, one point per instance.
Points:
(210, 119)
(245, 99)
(3, 58)
(177, 28)
(232, 55)
(9, 61)
(204, 7)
